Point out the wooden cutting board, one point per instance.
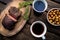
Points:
(19, 25)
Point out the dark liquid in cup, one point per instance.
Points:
(38, 28)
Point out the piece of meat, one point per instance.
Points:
(10, 19)
(8, 22)
(14, 12)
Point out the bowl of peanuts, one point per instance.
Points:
(53, 16)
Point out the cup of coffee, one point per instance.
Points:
(39, 5)
(38, 29)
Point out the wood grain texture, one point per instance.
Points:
(53, 33)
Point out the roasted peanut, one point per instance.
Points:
(54, 16)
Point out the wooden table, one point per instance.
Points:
(53, 33)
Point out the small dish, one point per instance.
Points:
(53, 16)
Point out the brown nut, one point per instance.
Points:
(50, 21)
(59, 16)
(53, 18)
(57, 22)
(49, 17)
(54, 13)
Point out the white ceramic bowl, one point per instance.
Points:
(45, 2)
(48, 19)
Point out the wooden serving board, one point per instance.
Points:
(19, 25)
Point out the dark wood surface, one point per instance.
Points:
(3, 4)
(53, 33)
